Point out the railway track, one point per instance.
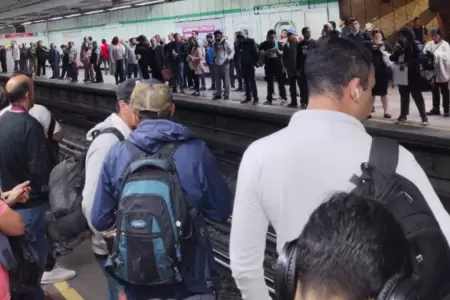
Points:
(75, 146)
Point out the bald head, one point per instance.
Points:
(20, 89)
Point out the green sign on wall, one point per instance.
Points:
(288, 6)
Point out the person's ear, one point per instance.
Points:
(354, 88)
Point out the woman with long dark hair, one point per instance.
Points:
(195, 56)
(408, 57)
(382, 66)
(117, 56)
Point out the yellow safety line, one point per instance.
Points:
(67, 291)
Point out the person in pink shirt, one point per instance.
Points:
(11, 225)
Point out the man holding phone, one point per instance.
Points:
(271, 50)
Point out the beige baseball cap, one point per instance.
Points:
(151, 95)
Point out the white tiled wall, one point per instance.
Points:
(229, 15)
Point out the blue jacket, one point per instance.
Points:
(200, 179)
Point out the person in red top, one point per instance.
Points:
(105, 55)
(11, 225)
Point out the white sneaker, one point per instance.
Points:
(58, 274)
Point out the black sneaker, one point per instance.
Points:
(226, 97)
(267, 102)
(196, 94)
(202, 89)
(425, 121)
(292, 105)
(434, 112)
(217, 97)
(373, 109)
(213, 88)
(246, 101)
(401, 119)
(387, 116)
(255, 101)
(303, 106)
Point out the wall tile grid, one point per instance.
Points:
(228, 15)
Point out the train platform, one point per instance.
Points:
(436, 122)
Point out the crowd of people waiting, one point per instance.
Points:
(411, 64)
(149, 184)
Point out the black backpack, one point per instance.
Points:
(429, 250)
(66, 224)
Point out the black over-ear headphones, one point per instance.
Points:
(398, 287)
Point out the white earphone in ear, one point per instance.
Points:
(357, 93)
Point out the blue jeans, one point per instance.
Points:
(113, 285)
(34, 220)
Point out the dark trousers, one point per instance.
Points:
(24, 65)
(232, 74)
(55, 69)
(64, 70)
(274, 70)
(4, 66)
(132, 70)
(72, 71)
(304, 97)
(144, 70)
(98, 73)
(239, 75)
(248, 74)
(294, 81)
(196, 81)
(189, 77)
(211, 73)
(120, 71)
(405, 92)
(40, 67)
(441, 88)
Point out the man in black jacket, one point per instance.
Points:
(303, 47)
(176, 55)
(249, 58)
(290, 63)
(25, 157)
(3, 59)
(357, 34)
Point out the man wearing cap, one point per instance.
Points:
(151, 109)
(122, 122)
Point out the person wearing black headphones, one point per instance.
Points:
(351, 248)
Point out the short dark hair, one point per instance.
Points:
(351, 20)
(271, 31)
(195, 31)
(304, 30)
(18, 92)
(103, 41)
(345, 20)
(334, 63)
(350, 246)
(333, 24)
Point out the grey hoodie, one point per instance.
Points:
(223, 53)
(94, 162)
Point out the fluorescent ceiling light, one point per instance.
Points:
(119, 7)
(72, 16)
(27, 23)
(55, 18)
(94, 12)
(39, 21)
(150, 2)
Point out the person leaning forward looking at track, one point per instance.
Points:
(312, 164)
(24, 157)
(113, 129)
(198, 176)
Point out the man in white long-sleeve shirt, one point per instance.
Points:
(285, 176)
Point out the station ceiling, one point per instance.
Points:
(18, 12)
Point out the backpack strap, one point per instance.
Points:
(383, 156)
(112, 130)
(51, 127)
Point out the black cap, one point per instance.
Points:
(239, 34)
(125, 89)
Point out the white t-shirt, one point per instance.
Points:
(42, 114)
(285, 176)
